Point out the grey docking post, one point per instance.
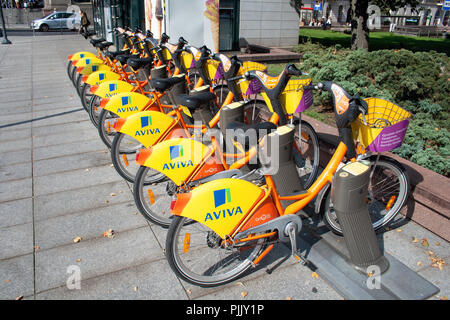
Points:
(348, 193)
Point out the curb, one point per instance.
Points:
(428, 203)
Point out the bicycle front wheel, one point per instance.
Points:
(69, 69)
(94, 109)
(388, 192)
(199, 256)
(105, 127)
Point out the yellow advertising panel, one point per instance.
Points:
(147, 126)
(221, 204)
(80, 55)
(126, 104)
(93, 67)
(97, 77)
(177, 158)
(83, 62)
(109, 89)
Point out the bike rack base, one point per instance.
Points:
(330, 260)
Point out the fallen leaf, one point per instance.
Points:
(430, 253)
(108, 234)
(438, 243)
(77, 239)
(444, 298)
(415, 240)
(188, 291)
(315, 275)
(244, 294)
(36, 248)
(112, 194)
(19, 298)
(425, 242)
(120, 191)
(106, 201)
(86, 170)
(419, 263)
(111, 165)
(399, 230)
(288, 298)
(7, 281)
(240, 284)
(370, 274)
(135, 289)
(78, 260)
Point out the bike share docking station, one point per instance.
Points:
(356, 267)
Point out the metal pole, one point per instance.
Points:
(5, 37)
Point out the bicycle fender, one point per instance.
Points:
(126, 104)
(147, 126)
(83, 62)
(93, 67)
(97, 77)
(80, 55)
(221, 205)
(109, 89)
(176, 158)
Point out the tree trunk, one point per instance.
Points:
(360, 31)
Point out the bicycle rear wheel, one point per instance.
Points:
(105, 127)
(69, 69)
(123, 156)
(306, 153)
(388, 192)
(199, 256)
(85, 96)
(153, 200)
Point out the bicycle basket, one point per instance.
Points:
(166, 54)
(386, 126)
(186, 60)
(253, 86)
(294, 99)
(214, 70)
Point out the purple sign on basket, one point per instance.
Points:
(306, 101)
(254, 87)
(390, 137)
(219, 73)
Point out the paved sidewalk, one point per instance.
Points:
(57, 183)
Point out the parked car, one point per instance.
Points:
(57, 20)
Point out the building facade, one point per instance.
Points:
(428, 13)
(217, 23)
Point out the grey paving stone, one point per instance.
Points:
(439, 278)
(87, 224)
(16, 240)
(121, 285)
(14, 119)
(56, 204)
(16, 189)
(56, 117)
(16, 212)
(294, 282)
(62, 128)
(70, 136)
(17, 156)
(68, 149)
(8, 146)
(98, 256)
(16, 277)
(12, 134)
(65, 181)
(71, 162)
(15, 171)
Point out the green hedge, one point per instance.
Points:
(416, 81)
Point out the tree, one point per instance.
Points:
(359, 17)
(297, 5)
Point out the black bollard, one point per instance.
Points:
(348, 193)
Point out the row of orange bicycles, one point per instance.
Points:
(218, 152)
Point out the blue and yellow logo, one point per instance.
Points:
(175, 152)
(221, 197)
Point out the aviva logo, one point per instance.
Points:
(94, 68)
(222, 197)
(176, 152)
(126, 108)
(112, 87)
(101, 76)
(145, 122)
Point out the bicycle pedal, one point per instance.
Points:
(300, 259)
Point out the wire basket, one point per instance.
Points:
(250, 87)
(293, 98)
(214, 70)
(186, 60)
(386, 126)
